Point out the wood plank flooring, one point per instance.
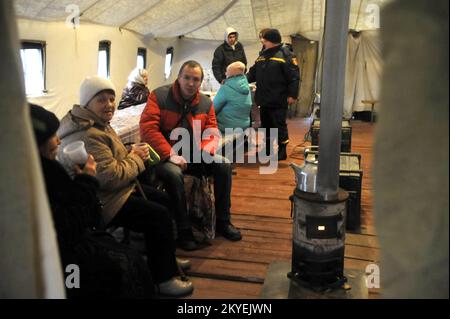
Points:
(261, 209)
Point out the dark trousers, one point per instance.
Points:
(151, 217)
(274, 118)
(173, 179)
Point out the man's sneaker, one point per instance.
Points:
(175, 288)
(186, 240)
(185, 264)
(227, 230)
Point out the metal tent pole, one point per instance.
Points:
(332, 96)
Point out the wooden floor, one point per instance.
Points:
(261, 209)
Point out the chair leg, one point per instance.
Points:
(371, 112)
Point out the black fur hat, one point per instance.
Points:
(45, 123)
(272, 35)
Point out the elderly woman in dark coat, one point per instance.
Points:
(136, 91)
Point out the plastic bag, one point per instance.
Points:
(200, 202)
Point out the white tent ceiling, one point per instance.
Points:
(202, 19)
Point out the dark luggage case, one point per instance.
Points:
(350, 179)
(346, 137)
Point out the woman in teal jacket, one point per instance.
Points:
(233, 101)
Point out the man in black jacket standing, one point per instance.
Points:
(228, 52)
(277, 78)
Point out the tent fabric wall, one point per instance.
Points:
(202, 51)
(76, 51)
(29, 260)
(306, 53)
(71, 55)
(363, 71)
(157, 49)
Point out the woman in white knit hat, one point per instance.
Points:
(136, 91)
(117, 170)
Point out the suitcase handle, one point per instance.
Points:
(351, 172)
(312, 150)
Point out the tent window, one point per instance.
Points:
(168, 64)
(104, 52)
(33, 61)
(141, 58)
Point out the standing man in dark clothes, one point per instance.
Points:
(228, 52)
(277, 78)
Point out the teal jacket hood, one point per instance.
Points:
(238, 83)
